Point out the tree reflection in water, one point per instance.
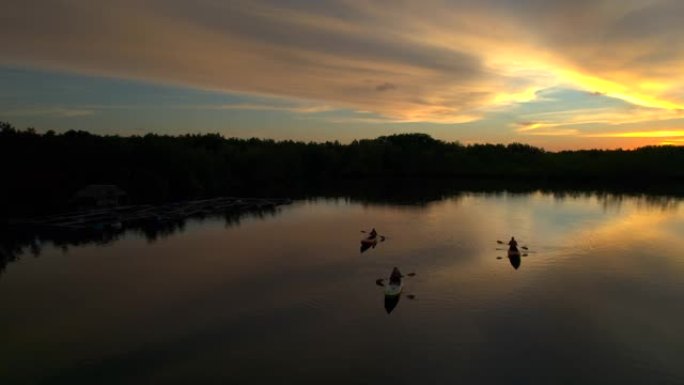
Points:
(17, 241)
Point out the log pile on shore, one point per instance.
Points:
(136, 215)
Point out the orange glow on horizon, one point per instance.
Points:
(641, 134)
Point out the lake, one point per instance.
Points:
(288, 297)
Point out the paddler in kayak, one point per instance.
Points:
(395, 277)
(373, 234)
(513, 244)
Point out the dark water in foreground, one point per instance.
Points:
(289, 298)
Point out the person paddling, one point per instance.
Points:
(373, 233)
(395, 277)
(513, 244)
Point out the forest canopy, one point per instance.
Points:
(42, 171)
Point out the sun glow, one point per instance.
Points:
(641, 134)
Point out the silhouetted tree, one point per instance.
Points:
(41, 172)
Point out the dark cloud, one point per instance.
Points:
(277, 24)
(385, 87)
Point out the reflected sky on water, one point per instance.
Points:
(289, 296)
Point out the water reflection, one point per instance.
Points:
(16, 242)
(261, 298)
(365, 246)
(514, 258)
(391, 302)
(613, 201)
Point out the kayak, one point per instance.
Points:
(514, 257)
(393, 289)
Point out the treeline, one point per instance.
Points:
(41, 172)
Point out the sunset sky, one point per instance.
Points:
(556, 74)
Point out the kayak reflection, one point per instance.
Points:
(391, 301)
(514, 257)
(366, 246)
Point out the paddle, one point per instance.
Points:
(380, 281)
(502, 243)
(382, 237)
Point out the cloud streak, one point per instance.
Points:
(313, 109)
(59, 112)
(602, 116)
(641, 134)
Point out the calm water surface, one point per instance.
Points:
(290, 298)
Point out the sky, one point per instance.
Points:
(551, 73)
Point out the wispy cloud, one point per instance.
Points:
(545, 123)
(312, 109)
(60, 112)
(674, 135)
(558, 132)
(385, 87)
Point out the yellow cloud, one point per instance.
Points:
(558, 132)
(672, 143)
(603, 116)
(640, 134)
(630, 92)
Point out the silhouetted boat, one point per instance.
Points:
(370, 240)
(514, 257)
(391, 302)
